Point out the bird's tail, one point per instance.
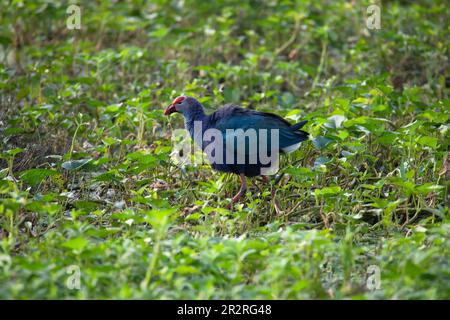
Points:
(303, 135)
(299, 125)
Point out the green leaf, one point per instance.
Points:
(327, 191)
(13, 152)
(300, 172)
(321, 161)
(428, 141)
(76, 243)
(231, 95)
(387, 137)
(89, 206)
(159, 33)
(321, 142)
(160, 218)
(186, 270)
(428, 187)
(13, 131)
(35, 176)
(335, 122)
(287, 99)
(194, 216)
(75, 164)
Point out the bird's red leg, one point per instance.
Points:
(240, 193)
(276, 204)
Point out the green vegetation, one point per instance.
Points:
(87, 184)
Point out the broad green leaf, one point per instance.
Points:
(15, 151)
(428, 141)
(327, 191)
(75, 164)
(321, 142)
(335, 122)
(76, 243)
(428, 187)
(35, 176)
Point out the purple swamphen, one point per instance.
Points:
(239, 140)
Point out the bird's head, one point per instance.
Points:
(185, 105)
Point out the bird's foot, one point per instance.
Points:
(240, 193)
(230, 205)
(235, 199)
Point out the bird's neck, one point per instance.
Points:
(193, 119)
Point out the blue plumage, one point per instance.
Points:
(231, 117)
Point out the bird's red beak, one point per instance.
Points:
(170, 109)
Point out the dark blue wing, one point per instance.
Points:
(245, 119)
